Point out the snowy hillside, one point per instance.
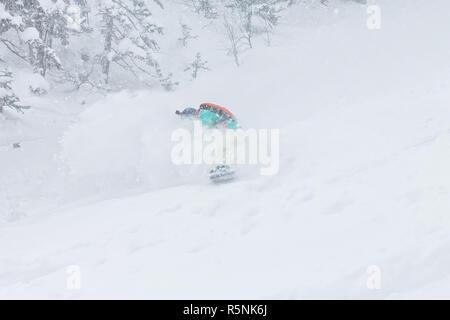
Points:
(363, 182)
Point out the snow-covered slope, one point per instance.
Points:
(364, 178)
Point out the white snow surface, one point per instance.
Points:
(364, 174)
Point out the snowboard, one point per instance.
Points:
(221, 173)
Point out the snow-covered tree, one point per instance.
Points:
(186, 34)
(197, 65)
(9, 21)
(8, 99)
(119, 36)
(166, 81)
(250, 14)
(244, 10)
(233, 34)
(129, 37)
(48, 17)
(42, 22)
(270, 13)
(83, 73)
(77, 12)
(246, 19)
(207, 8)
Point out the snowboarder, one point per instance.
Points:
(214, 116)
(211, 115)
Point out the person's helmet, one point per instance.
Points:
(188, 112)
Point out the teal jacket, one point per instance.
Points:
(211, 119)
